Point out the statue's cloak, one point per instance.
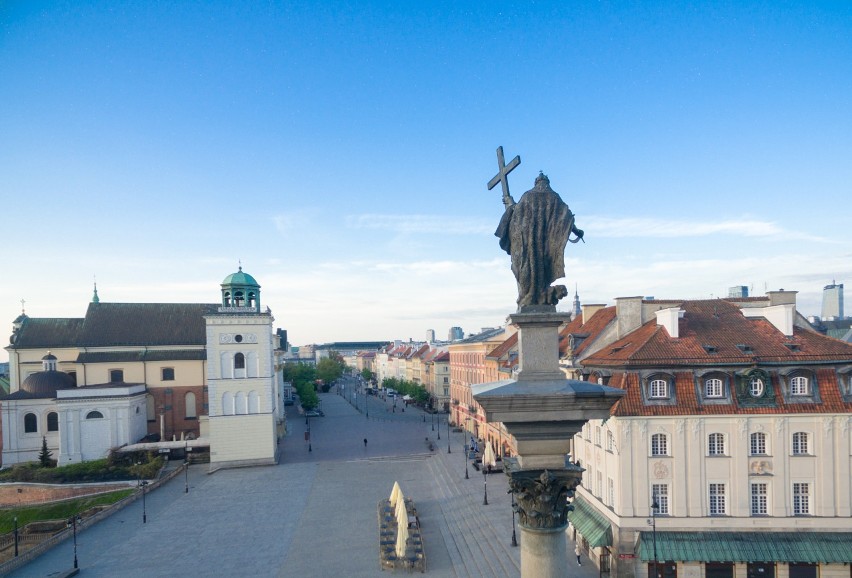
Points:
(534, 231)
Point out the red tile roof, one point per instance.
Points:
(712, 334)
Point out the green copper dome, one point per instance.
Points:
(240, 278)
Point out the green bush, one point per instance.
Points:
(113, 468)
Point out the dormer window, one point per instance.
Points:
(658, 389)
(714, 388)
(756, 387)
(745, 348)
(711, 349)
(799, 385)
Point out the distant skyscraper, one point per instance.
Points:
(832, 301)
(430, 336)
(455, 334)
(738, 291)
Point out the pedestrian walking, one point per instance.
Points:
(577, 552)
(365, 442)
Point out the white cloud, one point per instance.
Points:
(662, 228)
(441, 224)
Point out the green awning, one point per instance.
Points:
(594, 527)
(810, 547)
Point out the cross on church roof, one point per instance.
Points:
(503, 173)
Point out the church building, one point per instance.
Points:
(154, 372)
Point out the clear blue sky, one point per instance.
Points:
(341, 151)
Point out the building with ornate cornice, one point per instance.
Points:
(729, 456)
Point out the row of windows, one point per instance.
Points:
(717, 499)
(717, 444)
(31, 420)
(117, 375)
(660, 387)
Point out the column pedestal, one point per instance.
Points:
(543, 411)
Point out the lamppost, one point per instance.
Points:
(186, 450)
(514, 506)
(448, 435)
(466, 455)
(485, 478)
(655, 506)
(433, 422)
(144, 484)
(73, 523)
(16, 536)
(439, 427)
(310, 448)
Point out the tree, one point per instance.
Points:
(366, 374)
(329, 369)
(44, 456)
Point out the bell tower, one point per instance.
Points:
(241, 292)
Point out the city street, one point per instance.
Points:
(315, 513)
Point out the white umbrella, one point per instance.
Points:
(401, 512)
(402, 539)
(488, 457)
(395, 493)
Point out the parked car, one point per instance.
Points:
(312, 413)
(289, 402)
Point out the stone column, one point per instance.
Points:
(543, 411)
(542, 505)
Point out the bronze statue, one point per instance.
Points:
(535, 231)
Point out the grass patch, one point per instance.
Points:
(57, 511)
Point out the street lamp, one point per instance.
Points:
(186, 450)
(310, 449)
(144, 484)
(514, 507)
(655, 506)
(439, 427)
(485, 478)
(16, 536)
(433, 421)
(73, 523)
(449, 451)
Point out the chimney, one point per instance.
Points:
(782, 297)
(670, 319)
(590, 310)
(628, 313)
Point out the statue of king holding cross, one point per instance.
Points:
(534, 232)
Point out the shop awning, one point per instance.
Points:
(811, 547)
(594, 527)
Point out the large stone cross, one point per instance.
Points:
(503, 173)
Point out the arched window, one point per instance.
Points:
(799, 386)
(758, 444)
(239, 361)
(95, 414)
(253, 402)
(227, 299)
(227, 403)
(189, 404)
(659, 445)
(251, 299)
(53, 421)
(238, 298)
(713, 387)
(658, 389)
(150, 408)
(241, 407)
(756, 387)
(801, 447)
(30, 423)
(716, 444)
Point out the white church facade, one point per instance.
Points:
(153, 372)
